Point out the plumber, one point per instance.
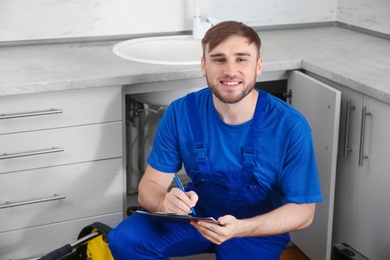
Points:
(249, 156)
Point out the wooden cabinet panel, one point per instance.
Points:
(362, 198)
(91, 188)
(79, 107)
(80, 144)
(31, 243)
(320, 104)
(61, 167)
(347, 167)
(372, 236)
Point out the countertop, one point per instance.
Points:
(351, 58)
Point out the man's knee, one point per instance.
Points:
(122, 242)
(128, 241)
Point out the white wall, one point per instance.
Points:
(53, 19)
(48, 19)
(369, 14)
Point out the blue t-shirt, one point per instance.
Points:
(284, 159)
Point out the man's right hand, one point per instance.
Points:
(179, 202)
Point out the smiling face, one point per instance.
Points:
(231, 68)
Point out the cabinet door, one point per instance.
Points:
(58, 109)
(38, 241)
(347, 166)
(37, 149)
(84, 190)
(320, 104)
(372, 235)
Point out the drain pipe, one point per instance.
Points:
(129, 123)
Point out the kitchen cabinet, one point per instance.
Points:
(61, 167)
(320, 105)
(362, 197)
(372, 235)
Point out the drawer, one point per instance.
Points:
(46, 148)
(20, 113)
(31, 243)
(88, 189)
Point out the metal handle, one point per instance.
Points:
(288, 96)
(362, 134)
(8, 204)
(23, 154)
(346, 133)
(28, 114)
(84, 239)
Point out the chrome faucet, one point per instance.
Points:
(201, 25)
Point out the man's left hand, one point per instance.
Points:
(218, 234)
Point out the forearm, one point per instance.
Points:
(153, 188)
(281, 220)
(151, 197)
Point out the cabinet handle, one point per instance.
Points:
(8, 204)
(346, 133)
(23, 154)
(362, 134)
(288, 95)
(28, 114)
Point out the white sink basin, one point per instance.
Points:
(166, 50)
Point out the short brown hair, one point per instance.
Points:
(220, 32)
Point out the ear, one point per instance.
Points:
(259, 67)
(203, 66)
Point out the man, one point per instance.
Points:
(249, 156)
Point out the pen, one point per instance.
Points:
(178, 182)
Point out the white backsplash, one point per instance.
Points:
(369, 14)
(53, 19)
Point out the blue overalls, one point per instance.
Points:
(220, 193)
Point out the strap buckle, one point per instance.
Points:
(200, 150)
(249, 157)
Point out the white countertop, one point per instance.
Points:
(348, 57)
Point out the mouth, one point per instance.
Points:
(230, 84)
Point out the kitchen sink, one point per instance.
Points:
(164, 50)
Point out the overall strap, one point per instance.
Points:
(199, 145)
(250, 147)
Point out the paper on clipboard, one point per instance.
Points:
(173, 217)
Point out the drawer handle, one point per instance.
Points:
(8, 204)
(28, 114)
(362, 134)
(15, 155)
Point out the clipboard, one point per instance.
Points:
(174, 217)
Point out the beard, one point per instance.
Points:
(229, 96)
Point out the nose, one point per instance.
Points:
(230, 69)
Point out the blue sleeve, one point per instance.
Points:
(299, 178)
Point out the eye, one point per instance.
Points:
(219, 60)
(241, 59)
